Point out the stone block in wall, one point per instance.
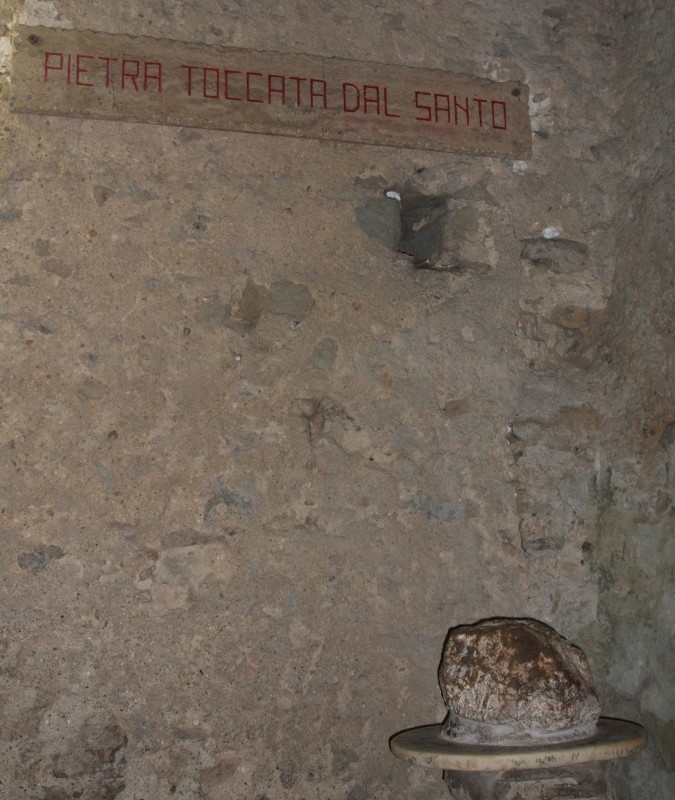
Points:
(565, 335)
(448, 234)
(554, 476)
(556, 255)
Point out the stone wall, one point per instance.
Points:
(255, 463)
(633, 553)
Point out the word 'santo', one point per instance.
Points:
(249, 86)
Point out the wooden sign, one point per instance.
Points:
(140, 79)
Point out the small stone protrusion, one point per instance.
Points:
(556, 255)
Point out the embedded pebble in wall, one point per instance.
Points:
(324, 354)
(556, 255)
(550, 232)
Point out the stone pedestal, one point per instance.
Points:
(523, 718)
(582, 782)
(553, 771)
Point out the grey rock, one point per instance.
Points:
(185, 537)
(324, 354)
(252, 304)
(57, 267)
(380, 218)
(39, 558)
(289, 299)
(10, 215)
(557, 255)
(102, 194)
(422, 227)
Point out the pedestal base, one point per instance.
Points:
(582, 782)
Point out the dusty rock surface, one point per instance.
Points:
(518, 679)
(253, 462)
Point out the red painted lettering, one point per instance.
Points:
(280, 89)
(127, 73)
(152, 74)
(386, 109)
(250, 75)
(229, 72)
(371, 94)
(442, 103)
(479, 101)
(210, 85)
(190, 68)
(350, 88)
(502, 105)
(107, 60)
(49, 65)
(80, 70)
(69, 59)
(419, 95)
(465, 109)
(298, 82)
(317, 88)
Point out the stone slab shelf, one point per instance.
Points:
(573, 769)
(426, 747)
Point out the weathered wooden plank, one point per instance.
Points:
(140, 79)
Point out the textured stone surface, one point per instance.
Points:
(238, 544)
(632, 548)
(506, 679)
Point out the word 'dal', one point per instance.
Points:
(86, 74)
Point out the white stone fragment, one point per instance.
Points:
(551, 232)
(5, 54)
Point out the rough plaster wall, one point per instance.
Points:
(254, 464)
(634, 552)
